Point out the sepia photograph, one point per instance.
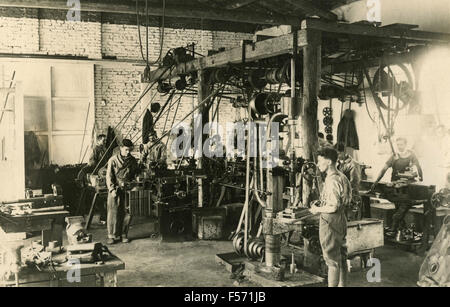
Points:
(224, 148)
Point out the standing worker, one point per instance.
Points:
(122, 168)
(351, 169)
(400, 163)
(153, 151)
(335, 196)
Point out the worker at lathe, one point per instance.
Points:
(97, 159)
(122, 168)
(335, 197)
(153, 151)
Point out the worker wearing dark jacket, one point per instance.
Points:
(122, 168)
(335, 196)
(351, 169)
(97, 158)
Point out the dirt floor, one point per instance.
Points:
(150, 262)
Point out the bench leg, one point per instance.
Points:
(110, 279)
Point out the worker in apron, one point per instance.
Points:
(122, 168)
(335, 197)
(400, 163)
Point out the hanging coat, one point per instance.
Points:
(147, 127)
(346, 132)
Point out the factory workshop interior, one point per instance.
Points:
(213, 143)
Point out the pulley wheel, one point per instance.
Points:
(327, 111)
(238, 244)
(328, 120)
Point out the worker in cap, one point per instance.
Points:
(122, 168)
(335, 196)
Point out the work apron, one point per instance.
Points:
(332, 235)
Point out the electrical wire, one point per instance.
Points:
(139, 30)
(162, 33)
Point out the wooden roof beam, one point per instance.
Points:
(260, 50)
(170, 11)
(382, 32)
(311, 9)
(235, 4)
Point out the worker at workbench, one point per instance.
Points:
(153, 151)
(97, 158)
(400, 163)
(351, 169)
(335, 196)
(122, 168)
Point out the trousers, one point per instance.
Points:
(399, 215)
(332, 235)
(118, 216)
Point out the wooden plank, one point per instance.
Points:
(356, 29)
(184, 11)
(401, 26)
(235, 4)
(260, 50)
(299, 279)
(311, 9)
(308, 118)
(231, 261)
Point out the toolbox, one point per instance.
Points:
(364, 235)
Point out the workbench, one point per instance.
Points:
(51, 224)
(414, 194)
(91, 275)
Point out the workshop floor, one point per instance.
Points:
(149, 262)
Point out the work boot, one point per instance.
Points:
(125, 240)
(110, 241)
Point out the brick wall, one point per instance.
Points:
(59, 37)
(32, 31)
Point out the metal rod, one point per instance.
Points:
(7, 96)
(84, 133)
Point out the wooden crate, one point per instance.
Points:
(363, 235)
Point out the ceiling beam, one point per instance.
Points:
(311, 9)
(235, 4)
(368, 30)
(260, 50)
(170, 11)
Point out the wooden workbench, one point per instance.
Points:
(51, 224)
(91, 275)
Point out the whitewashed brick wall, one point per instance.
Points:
(118, 86)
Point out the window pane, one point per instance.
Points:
(66, 149)
(35, 116)
(71, 81)
(70, 114)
